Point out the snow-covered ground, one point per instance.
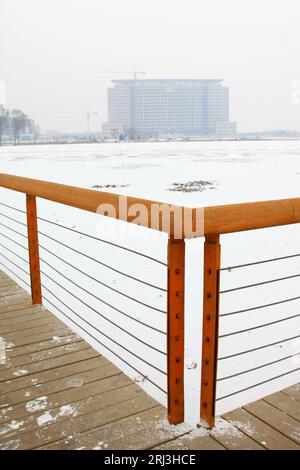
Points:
(239, 172)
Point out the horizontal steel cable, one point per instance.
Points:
(259, 326)
(97, 340)
(89, 257)
(257, 367)
(104, 264)
(101, 300)
(109, 267)
(93, 295)
(13, 220)
(101, 332)
(13, 241)
(12, 272)
(91, 236)
(259, 348)
(15, 231)
(271, 260)
(260, 283)
(93, 259)
(259, 383)
(260, 306)
(92, 308)
(15, 264)
(15, 254)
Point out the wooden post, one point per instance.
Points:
(33, 245)
(175, 330)
(212, 252)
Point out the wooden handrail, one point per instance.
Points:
(217, 219)
(87, 199)
(250, 216)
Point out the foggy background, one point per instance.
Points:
(50, 51)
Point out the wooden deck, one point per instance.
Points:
(59, 393)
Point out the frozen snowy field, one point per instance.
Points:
(239, 172)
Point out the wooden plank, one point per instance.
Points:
(230, 437)
(53, 432)
(260, 431)
(41, 366)
(29, 324)
(293, 391)
(25, 359)
(285, 403)
(39, 419)
(191, 443)
(28, 315)
(13, 299)
(65, 378)
(12, 290)
(102, 436)
(68, 338)
(27, 340)
(13, 307)
(34, 331)
(276, 419)
(212, 254)
(175, 330)
(33, 246)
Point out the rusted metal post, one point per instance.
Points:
(33, 245)
(175, 330)
(212, 253)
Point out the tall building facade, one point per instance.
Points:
(168, 108)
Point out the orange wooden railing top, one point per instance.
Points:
(217, 219)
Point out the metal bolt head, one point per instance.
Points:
(177, 338)
(208, 295)
(204, 404)
(178, 380)
(178, 293)
(206, 361)
(177, 316)
(177, 271)
(208, 317)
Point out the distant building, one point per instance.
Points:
(168, 108)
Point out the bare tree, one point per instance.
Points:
(19, 122)
(3, 121)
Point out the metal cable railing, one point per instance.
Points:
(130, 250)
(59, 274)
(224, 377)
(89, 257)
(98, 262)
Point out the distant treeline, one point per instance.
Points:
(14, 124)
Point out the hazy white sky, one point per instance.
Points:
(50, 50)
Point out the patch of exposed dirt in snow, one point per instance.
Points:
(193, 186)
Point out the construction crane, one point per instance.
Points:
(88, 115)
